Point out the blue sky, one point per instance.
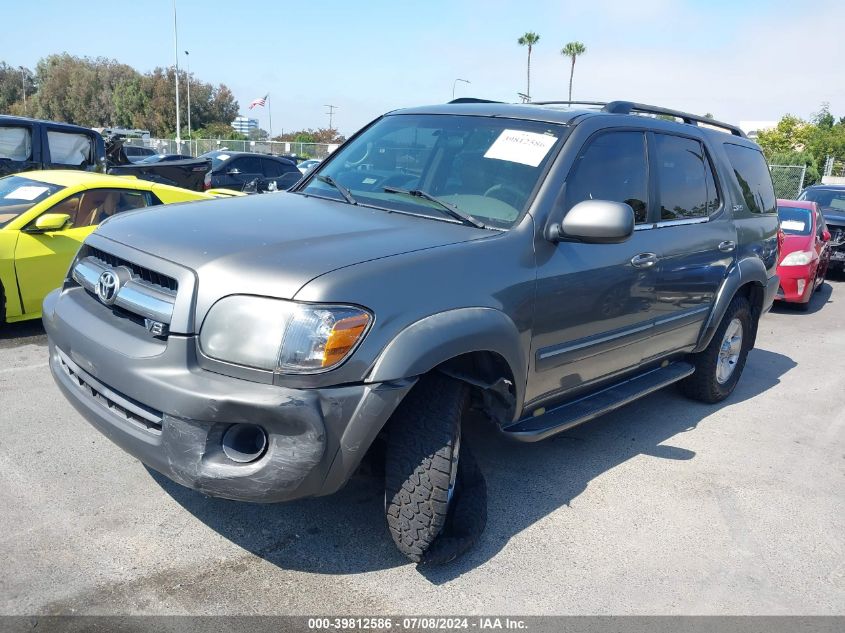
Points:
(748, 59)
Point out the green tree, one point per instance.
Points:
(13, 82)
(219, 130)
(790, 134)
(530, 39)
(572, 50)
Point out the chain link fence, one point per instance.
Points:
(788, 180)
(197, 146)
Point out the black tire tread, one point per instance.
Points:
(418, 461)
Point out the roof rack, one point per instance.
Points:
(628, 107)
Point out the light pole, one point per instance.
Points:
(188, 64)
(331, 108)
(23, 85)
(454, 83)
(176, 50)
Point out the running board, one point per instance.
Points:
(575, 412)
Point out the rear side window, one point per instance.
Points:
(685, 179)
(15, 143)
(613, 166)
(69, 149)
(95, 205)
(753, 177)
(274, 168)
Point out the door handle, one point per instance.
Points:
(644, 260)
(727, 246)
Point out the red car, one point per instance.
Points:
(804, 253)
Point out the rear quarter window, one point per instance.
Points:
(752, 175)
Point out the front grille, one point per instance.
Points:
(145, 274)
(122, 406)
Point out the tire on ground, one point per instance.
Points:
(422, 434)
(703, 385)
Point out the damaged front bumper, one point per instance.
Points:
(161, 407)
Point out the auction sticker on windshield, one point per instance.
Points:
(27, 192)
(516, 146)
(792, 225)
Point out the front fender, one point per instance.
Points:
(431, 341)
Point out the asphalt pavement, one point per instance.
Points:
(666, 506)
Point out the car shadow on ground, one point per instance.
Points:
(346, 533)
(22, 333)
(821, 297)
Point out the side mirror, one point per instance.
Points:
(595, 222)
(50, 222)
(825, 236)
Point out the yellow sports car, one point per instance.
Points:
(45, 216)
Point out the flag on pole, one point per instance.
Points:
(259, 102)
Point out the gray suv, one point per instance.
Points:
(540, 263)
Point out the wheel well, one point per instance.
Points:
(491, 379)
(755, 295)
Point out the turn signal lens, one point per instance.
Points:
(343, 337)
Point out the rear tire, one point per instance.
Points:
(719, 366)
(421, 462)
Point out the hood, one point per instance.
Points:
(834, 216)
(273, 244)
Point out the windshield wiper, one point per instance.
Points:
(347, 195)
(450, 209)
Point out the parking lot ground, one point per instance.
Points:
(666, 506)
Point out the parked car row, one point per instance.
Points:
(30, 144)
(46, 215)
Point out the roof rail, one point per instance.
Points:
(472, 100)
(628, 107)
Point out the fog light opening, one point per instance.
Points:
(244, 443)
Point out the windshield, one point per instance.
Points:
(827, 199)
(795, 221)
(18, 195)
(483, 166)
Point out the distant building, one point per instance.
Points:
(244, 125)
(753, 128)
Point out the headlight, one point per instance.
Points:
(284, 336)
(798, 258)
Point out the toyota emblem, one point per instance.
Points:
(107, 287)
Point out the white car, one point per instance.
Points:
(307, 165)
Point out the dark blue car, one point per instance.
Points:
(831, 199)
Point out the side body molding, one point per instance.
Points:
(435, 339)
(746, 270)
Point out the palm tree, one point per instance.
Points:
(529, 40)
(572, 50)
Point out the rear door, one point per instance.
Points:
(698, 239)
